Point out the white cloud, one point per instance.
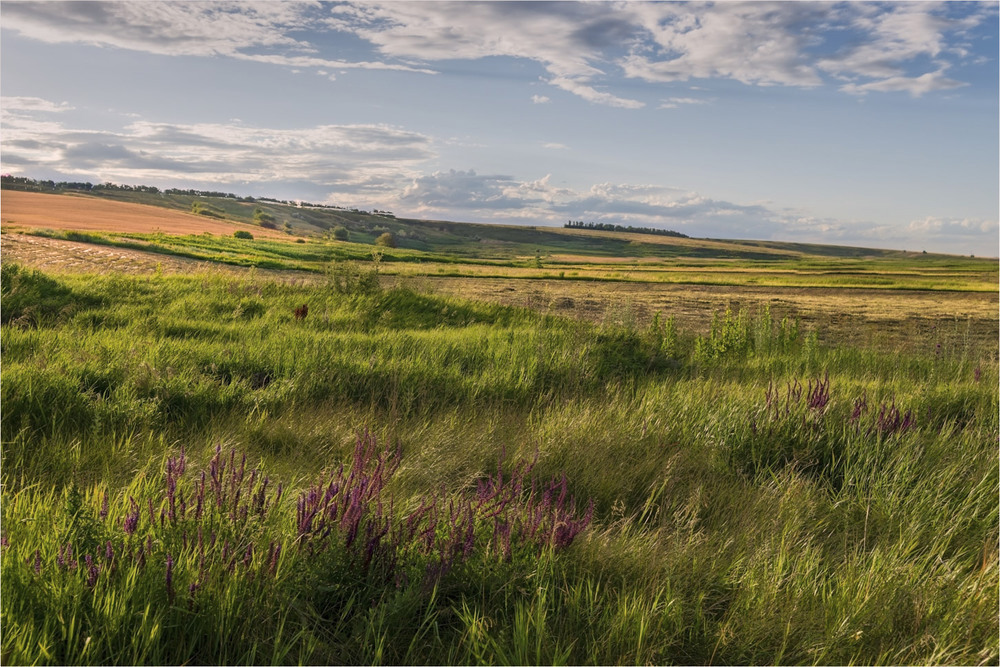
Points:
(466, 194)
(755, 43)
(253, 31)
(567, 39)
(539, 99)
(895, 38)
(936, 226)
(915, 86)
(677, 102)
(584, 48)
(366, 160)
(32, 104)
(556, 146)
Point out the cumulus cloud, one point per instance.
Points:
(469, 195)
(937, 226)
(540, 99)
(362, 159)
(755, 43)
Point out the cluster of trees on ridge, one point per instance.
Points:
(608, 227)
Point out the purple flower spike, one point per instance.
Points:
(131, 523)
(92, 571)
(169, 577)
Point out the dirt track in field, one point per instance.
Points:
(32, 210)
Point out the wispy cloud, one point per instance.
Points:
(567, 39)
(540, 99)
(252, 31)
(677, 102)
(32, 104)
(914, 85)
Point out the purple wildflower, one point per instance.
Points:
(170, 577)
(131, 523)
(92, 570)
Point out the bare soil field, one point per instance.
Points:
(32, 210)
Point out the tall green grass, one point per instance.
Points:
(759, 497)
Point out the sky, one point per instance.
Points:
(867, 124)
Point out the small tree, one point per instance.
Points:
(340, 233)
(242, 234)
(260, 216)
(386, 240)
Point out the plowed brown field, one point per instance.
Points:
(31, 210)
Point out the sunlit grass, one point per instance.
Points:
(759, 496)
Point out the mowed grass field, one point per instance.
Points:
(354, 459)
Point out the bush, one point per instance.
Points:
(386, 240)
(340, 233)
(241, 234)
(201, 208)
(351, 278)
(261, 217)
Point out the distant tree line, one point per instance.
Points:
(608, 227)
(9, 182)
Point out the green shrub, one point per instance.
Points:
(201, 208)
(242, 234)
(386, 240)
(340, 233)
(349, 277)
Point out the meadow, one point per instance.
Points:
(192, 473)
(728, 459)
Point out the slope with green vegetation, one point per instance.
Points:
(206, 469)
(458, 239)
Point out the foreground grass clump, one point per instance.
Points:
(184, 481)
(220, 549)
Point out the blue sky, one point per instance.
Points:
(870, 124)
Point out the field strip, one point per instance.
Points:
(28, 210)
(837, 314)
(59, 256)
